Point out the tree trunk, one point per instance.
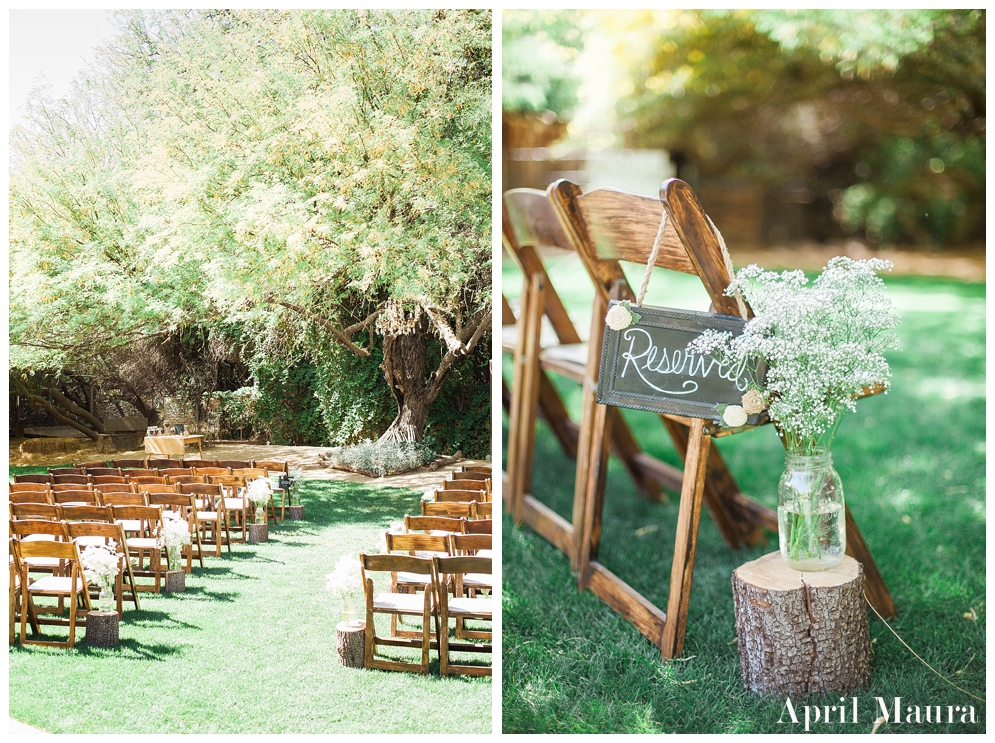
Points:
(404, 370)
(801, 633)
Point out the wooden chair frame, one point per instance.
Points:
(385, 604)
(607, 226)
(105, 531)
(461, 608)
(529, 224)
(77, 590)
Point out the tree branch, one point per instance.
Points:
(339, 335)
(472, 333)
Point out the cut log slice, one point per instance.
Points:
(801, 633)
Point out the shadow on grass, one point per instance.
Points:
(151, 617)
(198, 593)
(129, 648)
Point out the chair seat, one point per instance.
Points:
(54, 584)
(484, 553)
(130, 524)
(90, 542)
(43, 562)
(401, 603)
(207, 515)
(38, 538)
(463, 607)
(143, 543)
(413, 579)
(477, 580)
(234, 504)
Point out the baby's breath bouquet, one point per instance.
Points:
(175, 534)
(344, 582)
(259, 491)
(822, 343)
(101, 564)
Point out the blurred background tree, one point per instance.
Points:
(794, 124)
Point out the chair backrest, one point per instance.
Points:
(433, 523)
(200, 488)
(176, 471)
(178, 479)
(461, 565)
(606, 226)
(271, 466)
(83, 480)
(42, 511)
(478, 526)
(235, 464)
(106, 530)
(155, 487)
(230, 482)
(394, 564)
(33, 478)
(28, 487)
(413, 543)
(483, 510)
(195, 463)
(66, 471)
(148, 517)
(476, 468)
(483, 485)
(123, 499)
(180, 502)
(458, 496)
(31, 496)
(64, 550)
(470, 475)
(87, 513)
(146, 480)
(159, 464)
(129, 464)
(114, 487)
(452, 510)
(211, 471)
(251, 473)
(98, 471)
(60, 486)
(75, 496)
(468, 544)
(109, 480)
(30, 527)
(85, 465)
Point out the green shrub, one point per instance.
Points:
(378, 460)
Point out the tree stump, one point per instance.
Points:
(295, 513)
(102, 629)
(801, 633)
(258, 533)
(351, 641)
(176, 581)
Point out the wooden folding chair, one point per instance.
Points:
(482, 485)
(529, 226)
(460, 607)
(470, 475)
(161, 464)
(14, 595)
(260, 473)
(470, 545)
(42, 511)
(211, 515)
(281, 469)
(28, 487)
(129, 464)
(109, 480)
(146, 542)
(416, 545)
(86, 513)
(479, 468)
(606, 226)
(66, 471)
(36, 479)
(75, 497)
(235, 502)
(81, 481)
(483, 510)
(122, 498)
(397, 604)
(185, 505)
(72, 588)
(103, 471)
(92, 533)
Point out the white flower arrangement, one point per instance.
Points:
(175, 531)
(621, 316)
(822, 343)
(346, 578)
(259, 491)
(101, 563)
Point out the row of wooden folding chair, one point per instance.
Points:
(433, 605)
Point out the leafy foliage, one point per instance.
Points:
(537, 73)
(880, 112)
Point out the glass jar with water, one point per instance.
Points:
(810, 514)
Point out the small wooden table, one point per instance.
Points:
(170, 445)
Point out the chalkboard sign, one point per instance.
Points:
(646, 366)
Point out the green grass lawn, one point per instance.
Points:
(913, 468)
(250, 647)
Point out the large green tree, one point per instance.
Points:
(310, 175)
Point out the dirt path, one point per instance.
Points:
(298, 457)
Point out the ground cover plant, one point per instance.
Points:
(249, 647)
(913, 470)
